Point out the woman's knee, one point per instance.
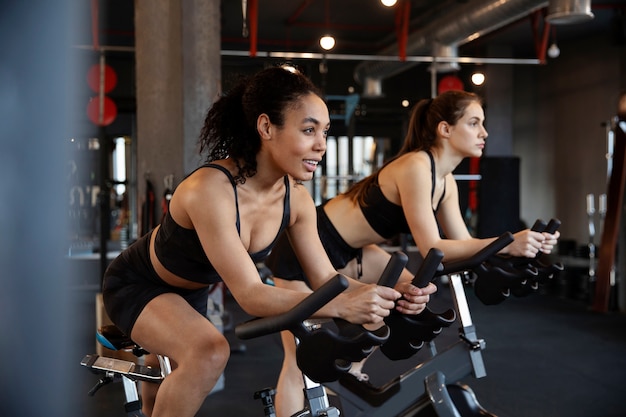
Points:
(210, 354)
(220, 352)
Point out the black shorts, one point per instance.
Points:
(283, 261)
(130, 282)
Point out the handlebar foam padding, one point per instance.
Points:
(479, 257)
(553, 226)
(302, 311)
(393, 270)
(539, 226)
(430, 265)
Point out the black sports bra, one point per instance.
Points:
(179, 249)
(387, 218)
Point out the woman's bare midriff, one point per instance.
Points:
(167, 276)
(351, 223)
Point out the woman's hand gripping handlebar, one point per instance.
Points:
(324, 353)
(327, 353)
(529, 273)
(258, 327)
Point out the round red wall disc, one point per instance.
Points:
(108, 115)
(109, 80)
(449, 82)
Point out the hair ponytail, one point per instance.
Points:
(422, 132)
(230, 129)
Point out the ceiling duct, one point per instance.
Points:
(463, 23)
(564, 12)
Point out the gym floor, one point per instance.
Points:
(546, 356)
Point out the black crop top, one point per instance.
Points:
(387, 218)
(179, 249)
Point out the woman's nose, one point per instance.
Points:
(320, 144)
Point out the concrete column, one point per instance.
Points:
(178, 76)
(202, 74)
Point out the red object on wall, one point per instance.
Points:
(474, 169)
(449, 82)
(108, 114)
(109, 80)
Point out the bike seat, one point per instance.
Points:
(113, 338)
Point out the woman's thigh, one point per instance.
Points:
(169, 325)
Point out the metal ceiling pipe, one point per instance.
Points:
(565, 12)
(464, 23)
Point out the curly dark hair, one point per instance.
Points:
(230, 130)
(449, 106)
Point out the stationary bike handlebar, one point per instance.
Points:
(258, 327)
(479, 257)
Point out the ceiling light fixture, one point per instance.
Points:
(478, 78)
(553, 50)
(388, 3)
(327, 42)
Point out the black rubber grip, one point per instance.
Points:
(429, 267)
(539, 226)
(481, 256)
(553, 226)
(273, 324)
(393, 270)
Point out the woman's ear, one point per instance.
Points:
(264, 126)
(443, 129)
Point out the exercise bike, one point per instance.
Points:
(428, 389)
(431, 388)
(324, 352)
(356, 343)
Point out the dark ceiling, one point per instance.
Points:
(362, 28)
(367, 27)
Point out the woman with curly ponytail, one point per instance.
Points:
(261, 139)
